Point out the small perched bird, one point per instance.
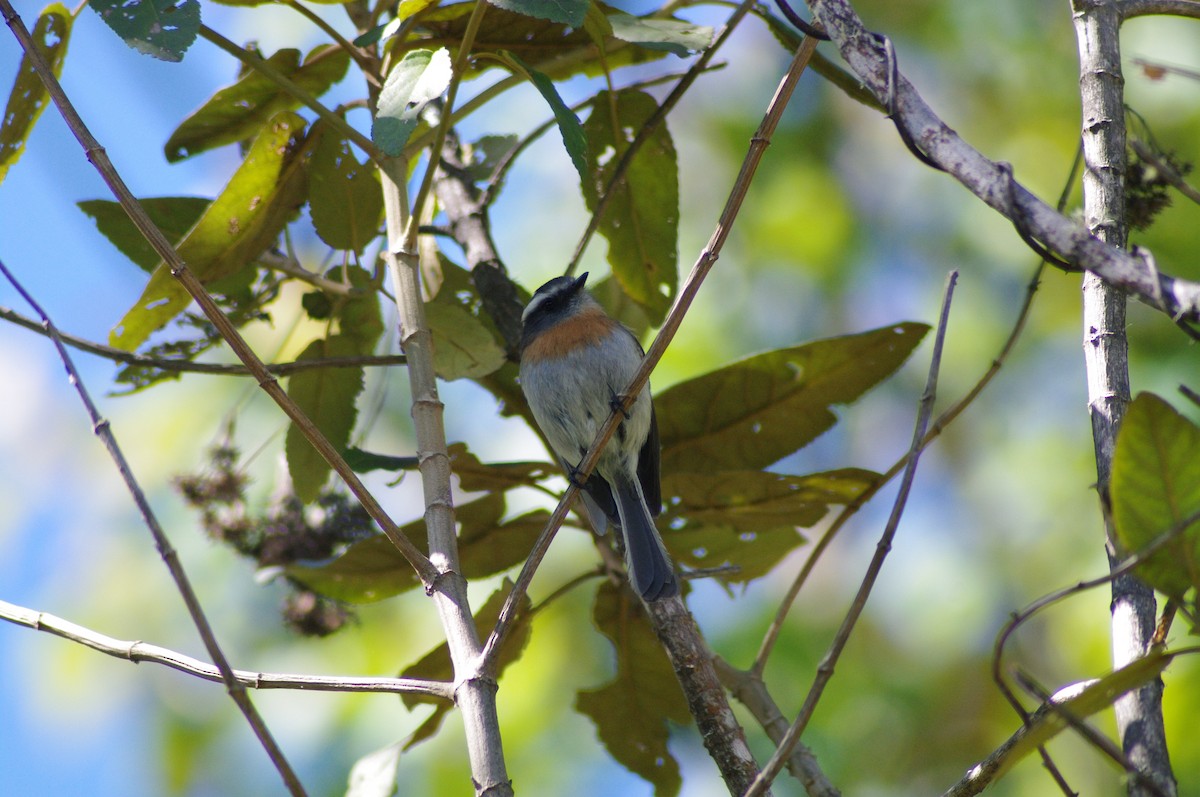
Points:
(575, 360)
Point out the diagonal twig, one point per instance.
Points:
(829, 661)
(154, 236)
(101, 428)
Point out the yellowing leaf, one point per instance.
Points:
(28, 97)
(254, 206)
(753, 412)
(238, 112)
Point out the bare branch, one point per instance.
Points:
(829, 661)
(870, 57)
(750, 690)
(154, 236)
(138, 652)
(1106, 356)
(102, 429)
(1130, 9)
(189, 366)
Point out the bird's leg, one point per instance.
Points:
(617, 402)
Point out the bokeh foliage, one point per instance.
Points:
(843, 240)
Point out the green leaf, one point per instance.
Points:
(566, 12)
(669, 35)
(539, 42)
(631, 712)
(266, 190)
(361, 461)
(373, 569)
(359, 317)
(345, 199)
(161, 28)
(748, 519)
(174, 215)
(756, 411)
(420, 77)
(463, 346)
(1155, 486)
(1096, 696)
(327, 396)
(28, 97)
(476, 476)
(568, 123)
(239, 112)
(641, 223)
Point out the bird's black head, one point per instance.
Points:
(554, 301)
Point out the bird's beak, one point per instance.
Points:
(578, 284)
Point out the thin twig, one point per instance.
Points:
(101, 428)
(1093, 736)
(138, 652)
(705, 262)
(936, 428)
(189, 366)
(439, 139)
(260, 65)
(829, 661)
(365, 64)
(651, 124)
(1140, 8)
(154, 236)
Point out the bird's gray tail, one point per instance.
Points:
(650, 569)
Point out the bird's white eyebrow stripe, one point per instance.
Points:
(534, 303)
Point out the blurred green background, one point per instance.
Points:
(842, 232)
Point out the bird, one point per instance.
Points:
(575, 361)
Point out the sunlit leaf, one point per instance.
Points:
(28, 97)
(641, 223)
(327, 396)
(344, 195)
(753, 412)
(174, 215)
(568, 123)
(557, 49)
(263, 194)
(671, 35)
(1155, 486)
(632, 711)
(161, 28)
(374, 775)
(239, 112)
(420, 77)
(746, 520)
(567, 12)
(373, 569)
(1093, 698)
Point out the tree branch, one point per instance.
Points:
(101, 429)
(1130, 9)
(475, 689)
(829, 661)
(1106, 356)
(138, 652)
(154, 236)
(189, 366)
(871, 58)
